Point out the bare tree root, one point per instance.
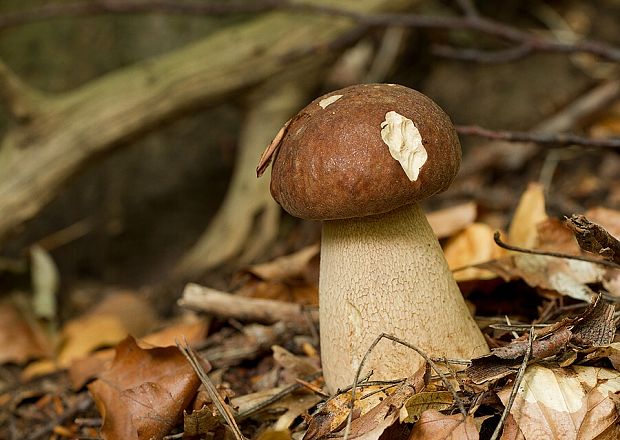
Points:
(53, 137)
(248, 219)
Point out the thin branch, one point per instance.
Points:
(78, 9)
(548, 139)
(525, 41)
(229, 306)
(275, 398)
(430, 362)
(81, 404)
(515, 385)
(510, 247)
(222, 407)
(483, 56)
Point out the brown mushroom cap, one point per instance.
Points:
(333, 164)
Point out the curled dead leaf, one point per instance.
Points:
(144, 392)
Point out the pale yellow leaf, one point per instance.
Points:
(471, 246)
(448, 221)
(530, 211)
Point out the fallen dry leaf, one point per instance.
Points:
(567, 403)
(420, 402)
(554, 235)
(291, 278)
(594, 238)
(473, 245)
(192, 329)
(286, 267)
(201, 421)
(294, 406)
(373, 411)
(434, 425)
(565, 276)
(118, 315)
(607, 218)
(511, 430)
(448, 221)
(20, 340)
(529, 213)
(273, 434)
(84, 369)
(595, 326)
(611, 352)
(372, 425)
(144, 392)
(294, 366)
(334, 413)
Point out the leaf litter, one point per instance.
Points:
(266, 375)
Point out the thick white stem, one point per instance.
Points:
(388, 274)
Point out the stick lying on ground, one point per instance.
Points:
(226, 305)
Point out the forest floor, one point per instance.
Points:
(530, 229)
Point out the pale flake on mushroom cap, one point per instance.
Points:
(329, 100)
(405, 143)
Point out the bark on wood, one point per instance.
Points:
(227, 306)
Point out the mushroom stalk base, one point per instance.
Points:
(388, 274)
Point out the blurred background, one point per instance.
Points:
(134, 146)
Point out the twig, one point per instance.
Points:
(129, 7)
(217, 400)
(526, 41)
(510, 247)
(226, 305)
(548, 139)
(483, 56)
(515, 386)
(444, 360)
(581, 109)
(82, 404)
(430, 362)
(273, 399)
(385, 387)
(66, 235)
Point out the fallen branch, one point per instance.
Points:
(495, 152)
(38, 155)
(594, 260)
(228, 306)
(548, 139)
(523, 42)
(228, 348)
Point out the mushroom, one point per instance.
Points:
(359, 159)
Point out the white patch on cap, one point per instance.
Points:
(405, 143)
(329, 100)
